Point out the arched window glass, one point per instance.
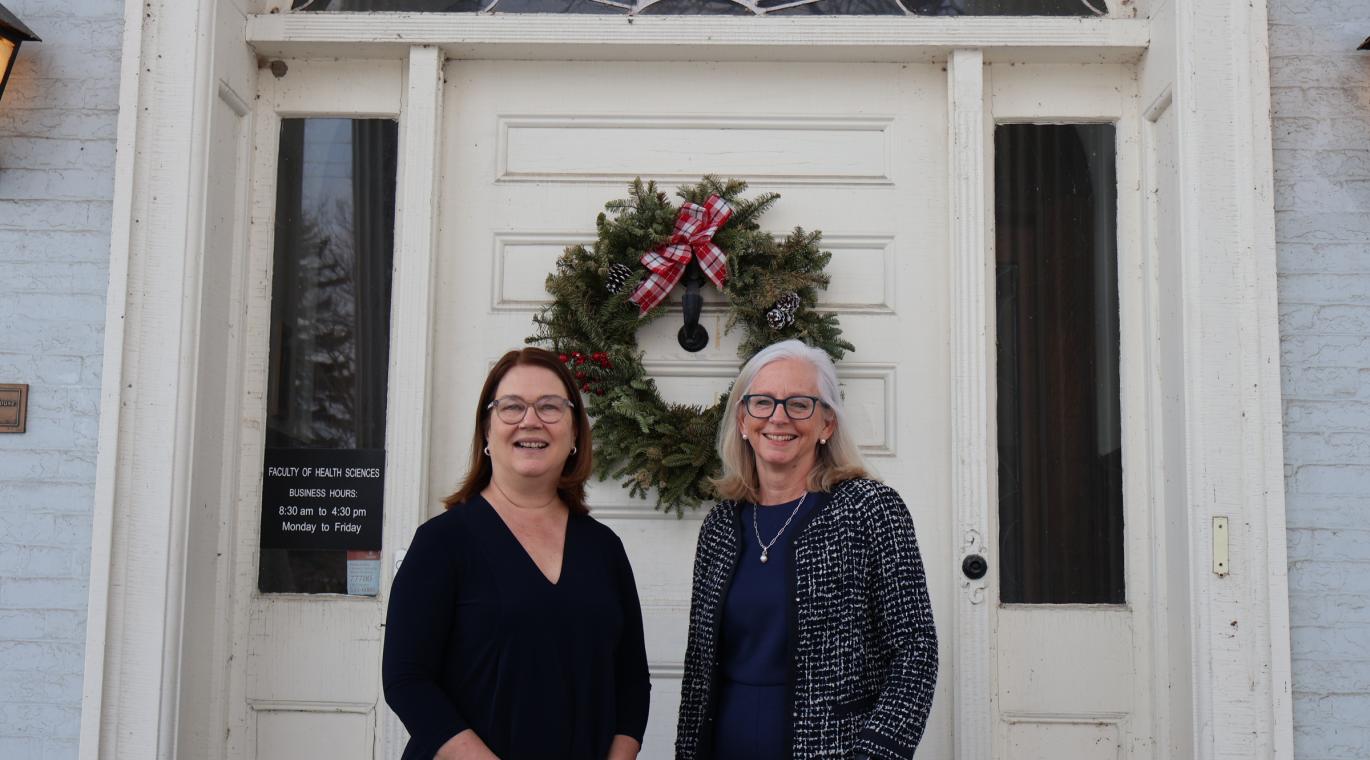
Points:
(727, 7)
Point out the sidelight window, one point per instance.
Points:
(324, 465)
(1056, 283)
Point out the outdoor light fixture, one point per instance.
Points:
(13, 33)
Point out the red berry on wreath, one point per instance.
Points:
(585, 387)
(580, 375)
(564, 358)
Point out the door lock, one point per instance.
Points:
(974, 567)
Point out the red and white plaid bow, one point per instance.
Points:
(693, 236)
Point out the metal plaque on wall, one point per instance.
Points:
(14, 408)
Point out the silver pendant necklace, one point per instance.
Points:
(766, 545)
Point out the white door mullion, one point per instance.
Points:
(406, 482)
(970, 398)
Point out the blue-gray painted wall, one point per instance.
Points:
(57, 128)
(1320, 90)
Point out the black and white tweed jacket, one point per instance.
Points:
(864, 659)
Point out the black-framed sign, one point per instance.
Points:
(322, 498)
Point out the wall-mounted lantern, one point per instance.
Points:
(13, 33)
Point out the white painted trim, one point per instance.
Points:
(1234, 458)
(589, 37)
(411, 333)
(972, 373)
(1144, 548)
(111, 382)
(251, 407)
(224, 680)
(1149, 310)
(1265, 438)
(130, 689)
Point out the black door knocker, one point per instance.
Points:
(692, 336)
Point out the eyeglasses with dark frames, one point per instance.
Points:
(762, 406)
(511, 409)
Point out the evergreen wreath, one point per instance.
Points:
(772, 289)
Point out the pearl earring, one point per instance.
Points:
(486, 450)
(822, 441)
(574, 450)
(744, 436)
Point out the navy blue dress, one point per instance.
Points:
(477, 637)
(752, 721)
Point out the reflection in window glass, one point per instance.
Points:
(330, 335)
(727, 7)
(1056, 282)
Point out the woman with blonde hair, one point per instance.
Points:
(811, 633)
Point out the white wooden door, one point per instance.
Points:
(533, 150)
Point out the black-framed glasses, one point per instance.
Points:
(511, 409)
(763, 406)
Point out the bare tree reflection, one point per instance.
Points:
(318, 384)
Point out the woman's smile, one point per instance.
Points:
(781, 442)
(530, 447)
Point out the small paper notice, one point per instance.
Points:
(364, 576)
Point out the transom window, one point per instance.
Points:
(727, 7)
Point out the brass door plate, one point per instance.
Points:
(14, 408)
(1221, 564)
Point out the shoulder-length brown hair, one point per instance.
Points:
(571, 486)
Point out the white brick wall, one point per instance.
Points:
(1321, 100)
(57, 128)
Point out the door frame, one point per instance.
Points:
(163, 413)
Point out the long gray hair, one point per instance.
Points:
(838, 460)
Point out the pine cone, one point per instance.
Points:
(618, 276)
(781, 315)
(779, 318)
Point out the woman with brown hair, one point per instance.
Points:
(514, 629)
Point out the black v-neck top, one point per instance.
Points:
(477, 637)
